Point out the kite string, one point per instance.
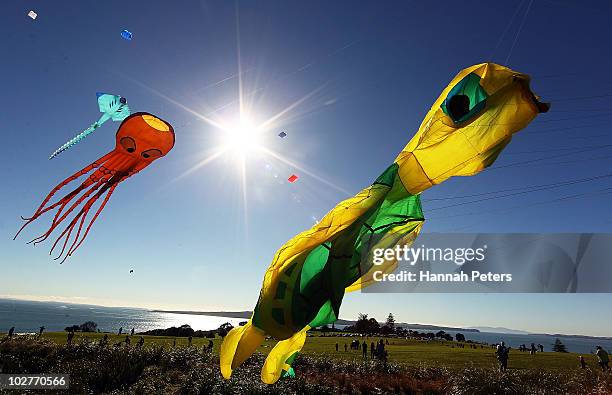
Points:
(526, 189)
(506, 29)
(519, 31)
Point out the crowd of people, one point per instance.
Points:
(502, 354)
(532, 350)
(376, 350)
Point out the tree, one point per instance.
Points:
(224, 329)
(361, 326)
(88, 326)
(390, 321)
(386, 330)
(184, 331)
(559, 347)
(460, 337)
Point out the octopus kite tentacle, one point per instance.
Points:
(73, 248)
(108, 188)
(100, 181)
(42, 209)
(57, 219)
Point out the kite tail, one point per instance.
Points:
(237, 346)
(241, 342)
(76, 139)
(278, 362)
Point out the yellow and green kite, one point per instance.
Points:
(463, 133)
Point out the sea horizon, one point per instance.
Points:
(27, 316)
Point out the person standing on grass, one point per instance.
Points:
(364, 348)
(120, 331)
(132, 332)
(372, 350)
(541, 347)
(380, 352)
(69, 338)
(582, 362)
(190, 339)
(533, 349)
(11, 331)
(502, 356)
(41, 330)
(380, 349)
(603, 358)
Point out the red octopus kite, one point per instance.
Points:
(141, 139)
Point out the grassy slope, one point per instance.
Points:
(423, 368)
(411, 352)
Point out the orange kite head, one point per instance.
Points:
(145, 137)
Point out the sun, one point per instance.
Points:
(242, 137)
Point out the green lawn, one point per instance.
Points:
(411, 352)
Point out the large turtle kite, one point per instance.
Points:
(463, 133)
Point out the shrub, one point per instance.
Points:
(186, 370)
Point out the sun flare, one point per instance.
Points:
(242, 138)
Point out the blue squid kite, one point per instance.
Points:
(111, 106)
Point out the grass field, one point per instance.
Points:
(410, 352)
(414, 367)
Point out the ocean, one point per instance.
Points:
(27, 316)
(573, 344)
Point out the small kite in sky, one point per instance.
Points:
(463, 133)
(292, 178)
(111, 106)
(127, 35)
(141, 139)
(131, 270)
(32, 14)
(282, 135)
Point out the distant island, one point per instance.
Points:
(229, 314)
(247, 314)
(500, 329)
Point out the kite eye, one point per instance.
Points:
(128, 143)
(466, 99)
(152, 154)
(458, 106)
(123, 100)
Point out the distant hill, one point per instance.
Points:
(247, 315)
(500, 329)
(425, 327)
(228, 314)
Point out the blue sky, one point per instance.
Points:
(362, 76)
